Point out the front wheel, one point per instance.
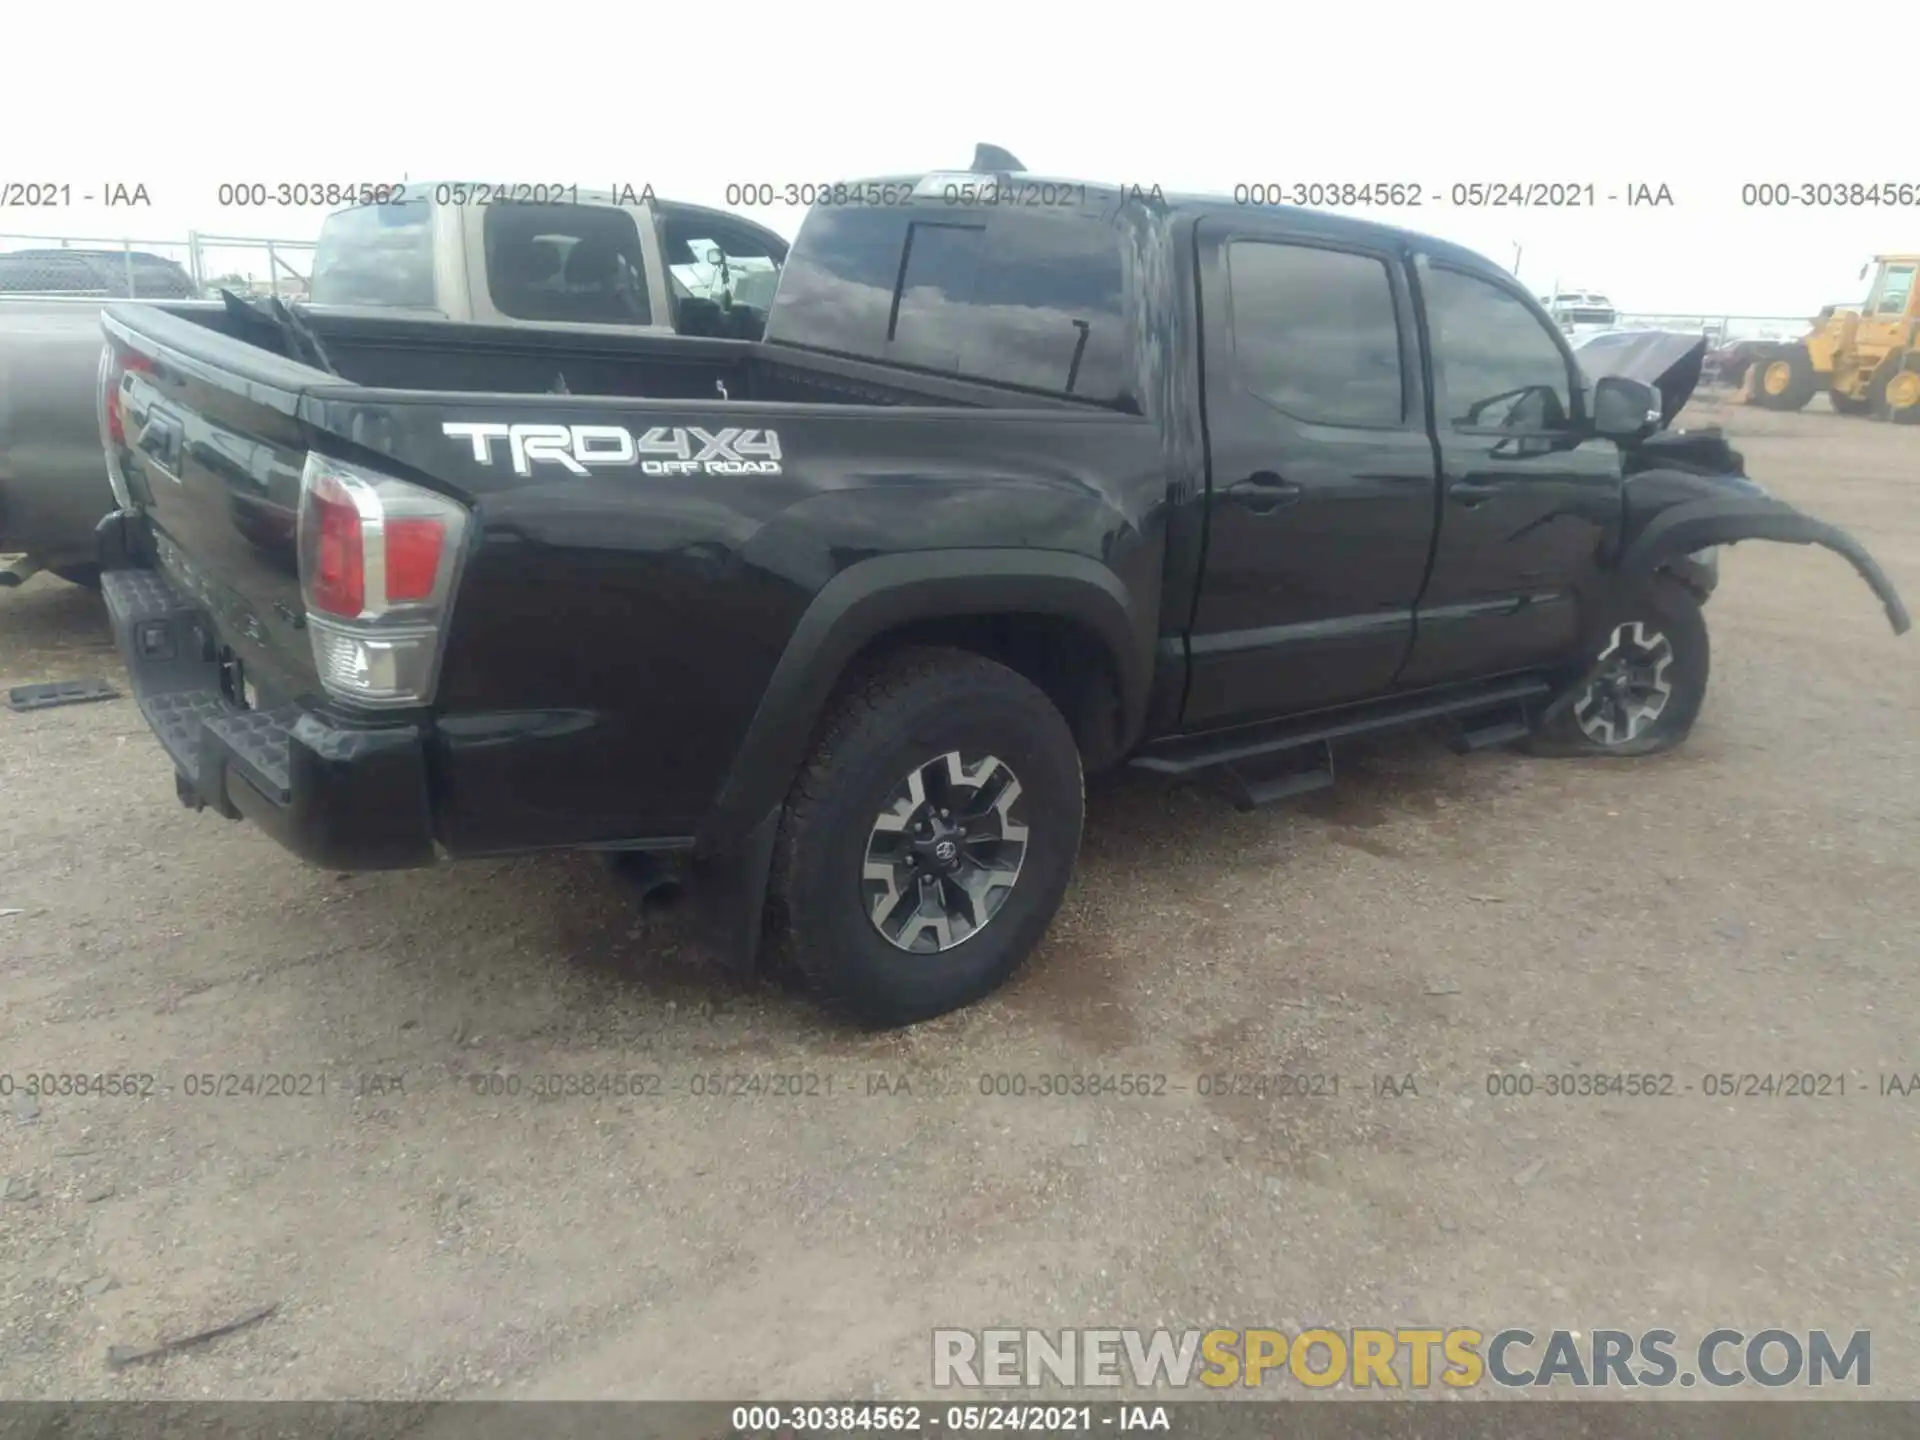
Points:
(1648, 678)
(1785, 379)
(928, 841)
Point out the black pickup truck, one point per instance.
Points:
(1026, 479)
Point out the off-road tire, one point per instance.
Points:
(1801, 379)
(1906, 368)
(1662, 606)
(1847, 405)
(905, 713)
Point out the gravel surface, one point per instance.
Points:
(429, 1228)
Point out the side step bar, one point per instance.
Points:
(1258, 764)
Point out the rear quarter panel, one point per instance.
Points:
(621, 628)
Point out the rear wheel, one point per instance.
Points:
(1649, 678)
(1784, 379)
(928, 841)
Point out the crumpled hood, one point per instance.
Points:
(1668, 360)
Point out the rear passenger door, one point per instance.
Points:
(1321, 475)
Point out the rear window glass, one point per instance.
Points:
(1034, 299)
(375, 255)
(566, 263)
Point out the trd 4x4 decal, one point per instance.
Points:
(662, 450)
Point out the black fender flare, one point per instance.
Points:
(1723, 521)
(874, 596)
(1676, 533)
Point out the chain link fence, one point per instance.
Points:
(1723, 329)
(199, 266)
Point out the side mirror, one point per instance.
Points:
(1625, 409)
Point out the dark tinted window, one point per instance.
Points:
(1497, 365)
(939, 281)
(1314, 332)
(568, 263)
(1028, 298)
(375, 255)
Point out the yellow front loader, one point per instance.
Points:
(1867, 360)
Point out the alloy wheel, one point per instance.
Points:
(943, 857)
(1630, 689)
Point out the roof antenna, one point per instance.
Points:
(992, 160)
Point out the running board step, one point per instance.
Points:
(1490, 732)
(1193, 754)
(1249, 784)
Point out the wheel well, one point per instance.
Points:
(1068, 661)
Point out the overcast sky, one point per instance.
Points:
(692, 97)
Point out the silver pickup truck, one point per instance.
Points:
(551, 257)
(53, 481)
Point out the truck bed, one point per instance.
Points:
(444, 357)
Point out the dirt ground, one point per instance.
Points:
(1748, 904)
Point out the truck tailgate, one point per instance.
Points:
(213, 455)
(202, 578)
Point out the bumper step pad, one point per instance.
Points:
(206, 733)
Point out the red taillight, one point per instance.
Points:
(377, 561)
(116, 381)
(338, 582)
(413, 557)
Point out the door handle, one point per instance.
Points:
(1472, 493)
(1264, 492)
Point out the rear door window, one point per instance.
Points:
(1315, 334)
(572, 264)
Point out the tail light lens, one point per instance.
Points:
(378, 559)
(115, 366)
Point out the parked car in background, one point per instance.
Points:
(593, 260)
(1581, 312)
(53, 484)
(110, 274)
(478, 255)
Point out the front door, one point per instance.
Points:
(1528, 504)
(1320, 505)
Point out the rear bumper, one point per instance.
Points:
(337, 794)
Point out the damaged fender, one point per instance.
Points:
(1694, 525)
(1724, 520)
